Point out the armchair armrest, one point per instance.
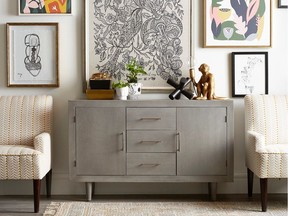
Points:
(256, 139)
(42, 143)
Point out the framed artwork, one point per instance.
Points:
(44, 7)
(282, 3)
(32, 54)
(237, 23)
(249, 73)
(157, 34)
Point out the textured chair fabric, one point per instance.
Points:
(266, 125)
(266, 134)
(25, 143)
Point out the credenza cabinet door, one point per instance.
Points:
(100, 141)
(202, 142)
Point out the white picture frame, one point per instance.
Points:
(32, 54)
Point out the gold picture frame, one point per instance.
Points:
(32, 55)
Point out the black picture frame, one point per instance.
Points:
(249, 73)
(281, 4)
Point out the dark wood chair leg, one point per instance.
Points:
(250, 176)
(263, 187)
(48, 183)
(36, 189)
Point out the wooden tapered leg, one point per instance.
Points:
(264, 187)
(250, 176)
(36, 189)
(48, 183)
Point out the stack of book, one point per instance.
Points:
(100, 87)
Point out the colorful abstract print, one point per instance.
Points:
(45, 6)
(237, 19)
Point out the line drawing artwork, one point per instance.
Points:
(148, 30)
(32, 59)
(247, 82)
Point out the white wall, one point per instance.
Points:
(70, 31)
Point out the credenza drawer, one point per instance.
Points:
(151, 141)
(151, 118)
(151, 164)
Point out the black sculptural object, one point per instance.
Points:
(179, 88)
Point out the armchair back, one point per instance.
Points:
(268, 115)
(24, 117)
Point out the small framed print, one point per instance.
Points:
(282, 3)
(32, 54)
(44, 7)
(249, 73)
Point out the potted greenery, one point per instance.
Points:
(134, 70)
(122, 89)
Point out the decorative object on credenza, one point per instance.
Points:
(249, 73)
(100, 94)
(32, 54)
(237, 23)
(47, 7)
(206, 85)
(135, 69)
(100, 81)
(122, 89)
(282, 4)
(180, 88)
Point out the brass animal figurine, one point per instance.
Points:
(206, 84)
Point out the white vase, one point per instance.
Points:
(135, 90)
(122, 93)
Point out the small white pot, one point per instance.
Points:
(122, 93)
(135, 90)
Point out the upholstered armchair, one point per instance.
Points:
(25, 140)
(266, 126)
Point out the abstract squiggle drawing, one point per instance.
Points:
(246, 82)
(148, 30)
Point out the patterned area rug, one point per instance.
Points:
(147, 208)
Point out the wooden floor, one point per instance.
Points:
(23, 205)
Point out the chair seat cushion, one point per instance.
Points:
(22, 162)
(10, 150)
(275, 149)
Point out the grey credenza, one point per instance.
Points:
(151, 141)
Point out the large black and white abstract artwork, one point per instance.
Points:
(154, 32)
(32, 51)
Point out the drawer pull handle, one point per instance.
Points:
(150, 119)
(148, 165)
(150, 142)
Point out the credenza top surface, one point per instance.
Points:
(152, 103)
